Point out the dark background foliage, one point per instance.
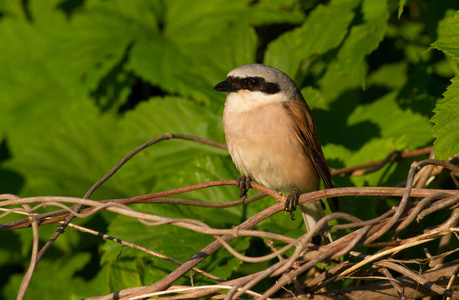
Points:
(82, 83)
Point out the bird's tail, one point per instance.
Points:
(312, 213)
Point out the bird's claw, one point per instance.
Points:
(243, 182)
(291, 202)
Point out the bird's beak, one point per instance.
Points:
(226, 86)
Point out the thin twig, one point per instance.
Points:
(451, 281)
(395, 283)
(140, 248)
(373, 166)
(33, 260)
(402, 270)
(312, 196)
(290, 267)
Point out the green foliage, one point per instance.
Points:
(82, 83)
(446, 128)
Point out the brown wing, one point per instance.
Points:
(306, 133)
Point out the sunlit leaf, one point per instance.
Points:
(448, 35)
(323, 30)
(446, 128)
(363, 39)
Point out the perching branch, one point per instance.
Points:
(415, 204)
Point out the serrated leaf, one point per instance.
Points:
(446, 128)
(323, 30)
(208, 18)
(192, 67)
(40, 122)
(96, 41)
(180, 61)
(71, 157)
(412, 128)
(363, 39)
(162, 63)
(185, 243)
(237, 46)
(448, 35)
(157, 117)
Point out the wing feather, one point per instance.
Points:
(306, 133)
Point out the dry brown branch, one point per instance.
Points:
(167, 136)
(318, 257)
(338, 245)
(415, 204)
(451, 281)
(33, 260)
(395, 283)
(373, 166)
(313, 196)
(385, 290)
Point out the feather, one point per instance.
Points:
(306, 133)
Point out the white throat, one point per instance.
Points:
(244, 100)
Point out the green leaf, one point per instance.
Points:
(71, 157)
(314, 98)
(209, 18)
(161, 62)
(67, 67)
(97, 39)
(393, 76)
(446, 128)
(197, 169)
(157, 117)
(192, 66)
(40, 122)
(46, 17)
(363, 39)
(175, 242)
(49, 125)
(323, 30)
(409, 128)
(222, 263)
(275, 12)
(448, 35)
(58, 273)
(124, 273)
(237, 46)
(334, 84)
(401, 4)
(374, 149)
(12, 9)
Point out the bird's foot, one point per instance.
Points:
(291, 202)
(243, 182)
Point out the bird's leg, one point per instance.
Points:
(243, 182)
(291, 202)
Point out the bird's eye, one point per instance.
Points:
(253, 82)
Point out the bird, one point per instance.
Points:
(272, 139)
